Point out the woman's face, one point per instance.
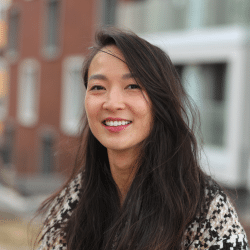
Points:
(118, 109)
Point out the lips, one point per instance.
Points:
(115, 125)
(116, 129)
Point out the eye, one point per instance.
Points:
(134, 86)
(97, 87)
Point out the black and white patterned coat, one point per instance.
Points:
(220, 228)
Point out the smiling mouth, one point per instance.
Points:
(116, 123)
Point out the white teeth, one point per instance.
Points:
(116, 123)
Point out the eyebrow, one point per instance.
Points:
(127, 76)
(104, 78)
(98, 77)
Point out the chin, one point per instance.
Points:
(115, 147)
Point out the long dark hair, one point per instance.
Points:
(167, 192)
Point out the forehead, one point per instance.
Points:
(110, 50)
(110, 59)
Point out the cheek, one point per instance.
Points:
(90, 107)
(147, 117)
(147, 122)
(86, 104)
(142, 110)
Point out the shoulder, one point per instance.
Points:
(218, 227)
(66, 201)
(59, 213)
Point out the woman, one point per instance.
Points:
(137, 183)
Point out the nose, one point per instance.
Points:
(114, 100)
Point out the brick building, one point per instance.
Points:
(47, 40)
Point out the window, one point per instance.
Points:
(51, 39)
(217, 11)
(13, 35)
(28, 92)
(8, 145)
(109, 9)
(179, 69)
(206, 85)
(4, 88)
(73, 93)
(213, 110)
(48, 160)
(3, 28)
(150, 16)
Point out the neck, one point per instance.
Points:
(123, 170)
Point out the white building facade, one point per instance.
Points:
(209, 43)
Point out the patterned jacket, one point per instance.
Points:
(220, 228)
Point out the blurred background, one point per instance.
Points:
(42, 48)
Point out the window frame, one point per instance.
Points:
(12, 54)
(48, 51)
